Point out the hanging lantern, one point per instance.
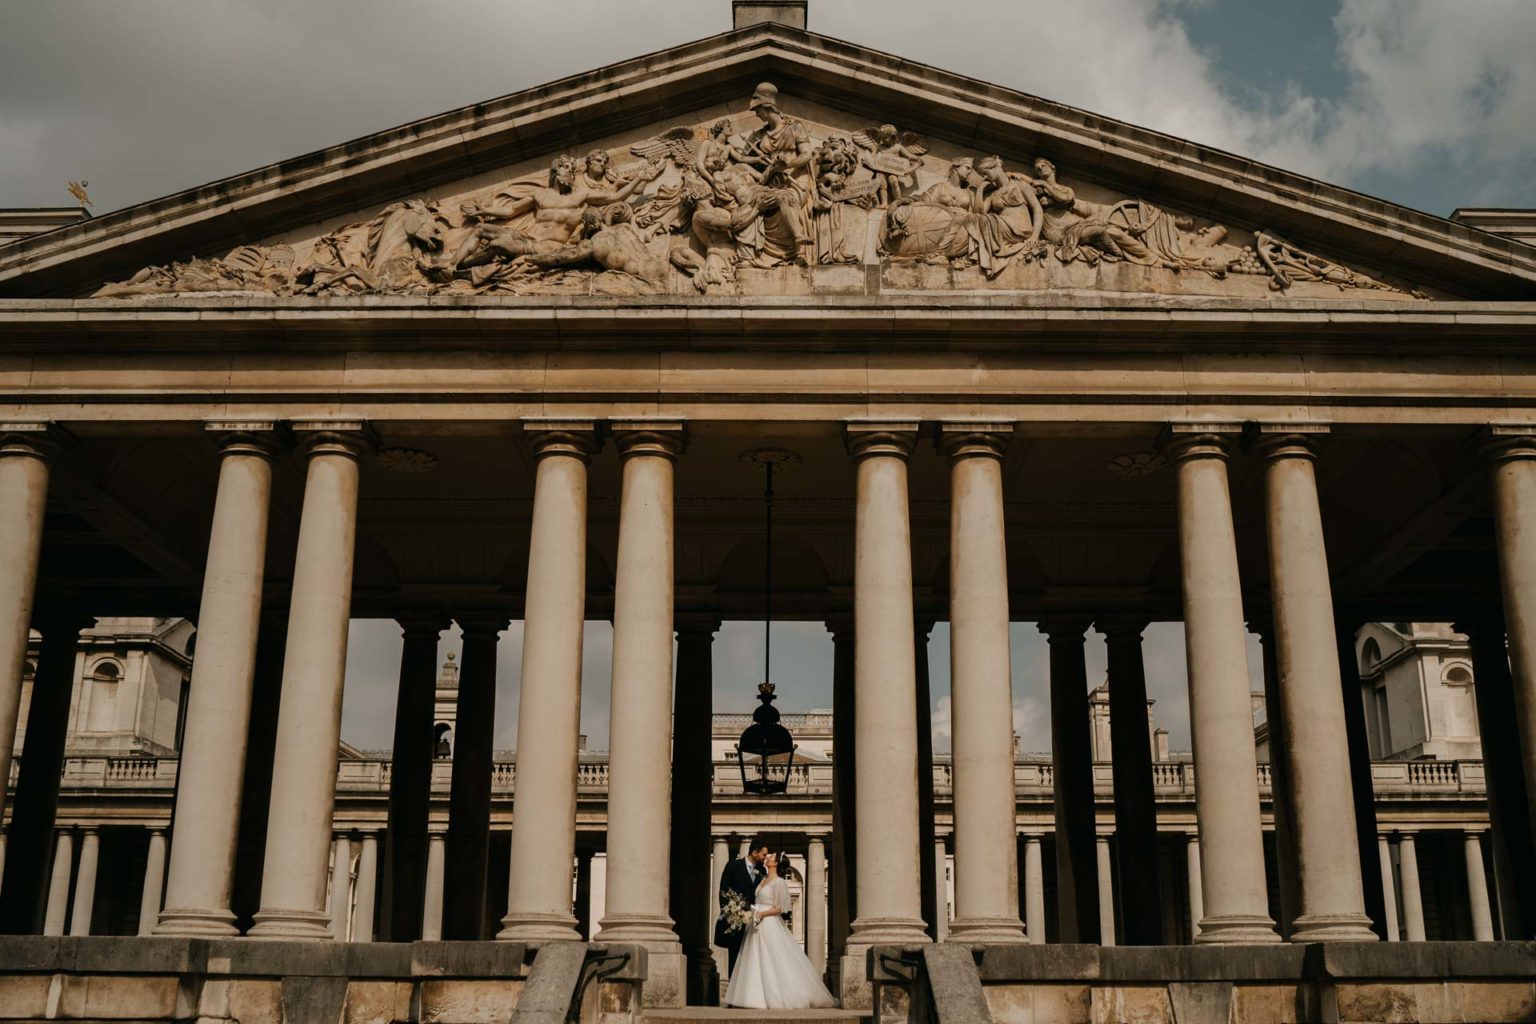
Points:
(766, 750)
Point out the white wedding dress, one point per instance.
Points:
(772, 971)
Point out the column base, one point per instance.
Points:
(1237, 929)
(647, 929)
(1332, 928)
(190, 923)
(533, 926)
(292, 924)
(986, 930)
(887, 931)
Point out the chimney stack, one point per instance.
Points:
(790, 13)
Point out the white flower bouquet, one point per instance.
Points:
(737, 913)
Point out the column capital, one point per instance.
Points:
(1285, 440)
(666, 437)
(1504, 442)
(1122, 627)
(37, 439)
(335, 436)
(482, 623)
(578, 438)
(1067, 628)
(418, 625)
(960, 439)
(262, 438)
(1182, 440)
(881, 437)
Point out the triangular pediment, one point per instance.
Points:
(470, 202)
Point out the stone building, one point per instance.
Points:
(532, 359)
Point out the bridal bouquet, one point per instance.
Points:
(737, 913)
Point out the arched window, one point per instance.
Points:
(442, 741)
(1460, 700)
(1370, 654)
(102, 714)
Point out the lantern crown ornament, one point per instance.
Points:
(766, 750)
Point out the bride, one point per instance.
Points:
(773, 972)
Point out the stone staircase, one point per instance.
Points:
(723, 1015)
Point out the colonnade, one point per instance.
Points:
(1228, 892)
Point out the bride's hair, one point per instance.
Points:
(781, 864)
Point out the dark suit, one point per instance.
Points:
(735, 878)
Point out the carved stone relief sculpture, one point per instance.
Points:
(704, 209)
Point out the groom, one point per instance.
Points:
(740, 876)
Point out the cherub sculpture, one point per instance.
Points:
(893, 157)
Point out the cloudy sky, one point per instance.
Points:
(1428, 103)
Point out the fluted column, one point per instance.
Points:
(1221, 715)
(693, 892)
(85, 882)
(549, 699)
(367, 886)
(639, 791)
(1331, 896)
(432, 899)
(25, 450)
(341, 888)
(1106, 893)
(469, 799)
(1477, 888)
(154, 882)
(981, 688)
(885, 685)
(314, 669)
(1413, 901)
(1196, 894)
(55, 916)
(815, 903)
(35, 806)
(1388, 889)
(1512, 453)
(200, 883)
(1077, 892)
(1034, 890)
(1141, 900)
(410, 778)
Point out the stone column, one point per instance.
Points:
(56, 914)
(844, 789)
(469, 799)
(1499, 732)
(1389, 891)
(314, 668)
(1106, 892)
(367, 886)
(410, 779)
(1413, 902)
(1034, 891)
(341, 888)
(1477, 889)
(1141, 900)
(1362, 784)
(154, 882)
(432, 900)
(981, 688)
(722, 856)
(25, 450)
(1196, 893)
(1221, 715)
(1077, 894)
(200, 884)
(941, 921)
(816, 903)
(36, 803)
(692, 890)
(885, 686)
(549, 699)
(639, 792)
(1512, 454)
(1331, 895)
(85, 882)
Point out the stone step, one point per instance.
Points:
(731, 1015)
